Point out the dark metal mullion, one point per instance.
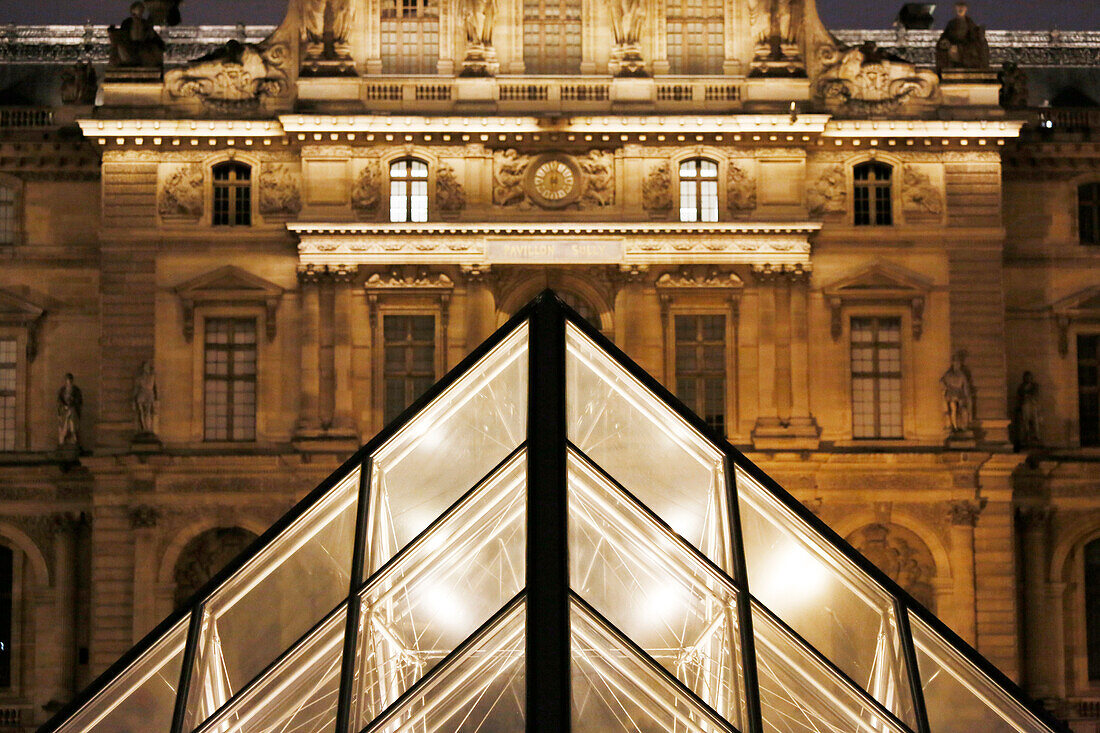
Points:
(190, 654)
(909, 651)
(548, 659)
(351, 630)
(755, 722)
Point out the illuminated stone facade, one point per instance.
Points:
(794, 234)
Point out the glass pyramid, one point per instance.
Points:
(549, 541)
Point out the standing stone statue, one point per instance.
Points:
(146, 398)
(627, 17)
(963, 44)
(478, 17)
(958, 394)
(1027, 412)
(326, 27)
(135, 42)
(70, 403)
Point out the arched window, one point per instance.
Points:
(699, 190)
(410, 36)
(696, 36)
(8, 215)
(232, 195)
(204, 556)
(408, 190)
(1092, 607)
(552, 36)
(1088, 213)
(872, 202)
(586, 310)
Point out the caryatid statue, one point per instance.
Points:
(958, 394)
(775, 24)
(627, 17)
(70, 405)
(478, 17)
(146, 399)
(315, 30)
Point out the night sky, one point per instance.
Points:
(994, 14)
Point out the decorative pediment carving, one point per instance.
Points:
(16, 311)
(1081, 307)
(696, 277)
(228, 285)
(233, 77)
(879, 284)
(865, 80)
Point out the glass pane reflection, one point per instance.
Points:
(958, 696)
(448, 448)
(826, 599)
(143, 697)
(441, 589)
(273, 600)
(663, 597)
(646, 447)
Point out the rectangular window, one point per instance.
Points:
(408, 361)
(232, 195)
(701, 366)
(876, 378)
(410, 36)
(552, 36)
(1088, 213)
(8, 365)
(696, 36)
(1088, 387)
(230, 389)
(7, 216)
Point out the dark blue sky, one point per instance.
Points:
(994, 14)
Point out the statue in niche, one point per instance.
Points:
(962, 44)
(1014, 90)
(958, 394)
(146, 399)
(326, 29)
(70, 404)
(1026, 420)
(135, 42)
(478, 17)
(627, 17)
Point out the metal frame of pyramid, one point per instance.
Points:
(549, 540)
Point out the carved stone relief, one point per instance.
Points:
(449, 194)
(280, 195)
(902, 555)
(234, 76)
(367, 191)
(829, 193)
(657, 189)
(921, 198)
(865, 80)
(181, 194)
(740, 189)
(508, 172)
(599, 170)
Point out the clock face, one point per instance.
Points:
(554, 180)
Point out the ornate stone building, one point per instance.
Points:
(254, 258)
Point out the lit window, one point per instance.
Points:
(1088, 387)
(409, 190)
(876, 378)
(1092, 607)
(410, 36)
(701, 366)
(1088, 213)
(7, 394)
(696, 36)
(7, 216)
(232, 195)
(409, 361)
(872, 202)
(552, 36)
(230, 379)
(698, 190)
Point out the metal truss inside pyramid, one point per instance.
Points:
(548, 541)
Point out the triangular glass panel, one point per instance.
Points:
(824, 597)
(298, 695)
(273, 600)
(440, 589)
(477, 689)
(959, 696)
(446, 448)
(655, 589)
(142, 697)
(646, 446)
(617, 688)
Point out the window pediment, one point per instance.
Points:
(21, 313)
(229, 285)
(879, 284)
(1081, 307)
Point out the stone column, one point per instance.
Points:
(660, 37)
(309, 422)
(373, 31)
(800, 344)
(143, 521)
(65, 527)
(343, 421)
(1040, 641)
(1054, 600)
(962, 516)
(448, 14)
(768, 411)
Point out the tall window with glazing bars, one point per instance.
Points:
(696, 36)
(876, 378)
(552, 36)
(872, 203)
(409, 366)
(230, 384)
(1088, 213)
(701, 366)
(232, 194)
(409, 190)
(699, 190)
(8, 364)
(410, 36)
